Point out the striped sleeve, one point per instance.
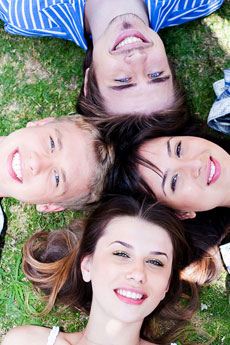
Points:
(164, 13)
(55, 18)
(4, 9)
(188, 10)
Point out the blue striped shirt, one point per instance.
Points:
(65, 18)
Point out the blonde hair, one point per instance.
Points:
(104, 157)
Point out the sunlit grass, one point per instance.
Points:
(42, 77)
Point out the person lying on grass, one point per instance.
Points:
(123, 270)
(188, 171)
(54, 163)
(126, 69)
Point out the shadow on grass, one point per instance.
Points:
(199, 60)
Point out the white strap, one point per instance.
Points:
(1, 219)
(53, 335)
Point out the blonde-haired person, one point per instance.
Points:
(55, 163)
(124, 271)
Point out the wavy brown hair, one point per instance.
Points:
(52, 262)
(208, 228)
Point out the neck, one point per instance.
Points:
(99, 13)
(101, 330)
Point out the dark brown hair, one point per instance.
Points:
(111, 124)
(52, 260)
(208, 228)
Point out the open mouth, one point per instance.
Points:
(130, 297)
(128, 40)
(14, 166)
(213, 172)
(129, 294)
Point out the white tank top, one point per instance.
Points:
(53, 335)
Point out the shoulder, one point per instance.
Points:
(36, 335)
(24, 335)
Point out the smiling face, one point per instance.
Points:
(130, 269)
(194, 173)
(132, 68)
(46, 164)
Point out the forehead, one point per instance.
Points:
(139, 233)
(77, 157)
(155, 150)
(139, 99)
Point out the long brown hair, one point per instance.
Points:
(52, 260)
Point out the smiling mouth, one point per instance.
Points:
(14, 166)
(128, 40)
(213, 171)
(129, 294)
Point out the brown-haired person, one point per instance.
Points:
(127, 71)
(54, 163)
(188, 170)
(124, 273)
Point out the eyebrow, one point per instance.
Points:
(127, 245)
(122, 87)
(159, 80)
(169, 150)
(159, 253)
(123, 244)
(128, 86)
(60, 147)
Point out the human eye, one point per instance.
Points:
(57, 179)
(155, 262)
(121, 254)
(123, 80)
(155, 75)
(174, 182)
(178, 149)
(52, 144)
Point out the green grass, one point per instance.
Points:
(42, 77)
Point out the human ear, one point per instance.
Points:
(182, 215)
(86, 81)
(40, 122)
(86, 268)
(48, 208)
(166, 290)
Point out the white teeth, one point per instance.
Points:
(212, 172)
(127, 40)
(129, 294)
(16, 165)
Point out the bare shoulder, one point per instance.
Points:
(36, 335)
(23, 335)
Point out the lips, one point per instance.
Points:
(213, 171)
(14, 166)
(131, 295)
(129, 39)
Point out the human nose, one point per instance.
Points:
(38, 163)
(137, 273)
(192, 167)
(135, 56)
